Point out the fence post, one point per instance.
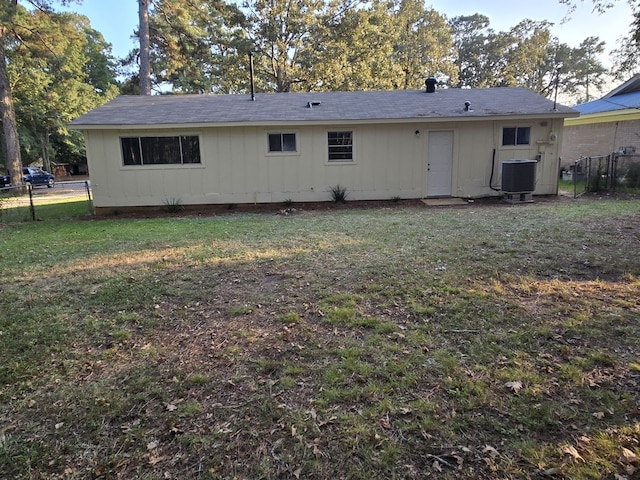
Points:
(32, 208)
(86, 185)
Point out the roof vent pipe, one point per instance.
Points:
(467, 106)
(253, 90)
(431, 84)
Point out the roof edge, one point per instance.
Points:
(604, 117)
(186, 126)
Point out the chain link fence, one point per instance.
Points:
(618, 172)
(29, 204)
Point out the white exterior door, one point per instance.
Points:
(439, 164)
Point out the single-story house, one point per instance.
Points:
(609, 124)
(379, 145)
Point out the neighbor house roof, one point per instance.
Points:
(622, 103)
(610, 104)
(321, 107)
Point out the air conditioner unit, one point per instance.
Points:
(518, 176)
(518, 180)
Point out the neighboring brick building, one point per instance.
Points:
(607, 125)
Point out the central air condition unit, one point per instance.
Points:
(518, 180)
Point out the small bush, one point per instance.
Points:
(173, 205)
(338, 193)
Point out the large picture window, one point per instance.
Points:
(340, 146)
(160, 150)
(282, 142)
(516, 136)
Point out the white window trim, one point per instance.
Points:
(160, 166)
(282, 154)
(517, 145)
(353, 147)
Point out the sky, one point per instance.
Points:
(117, 19)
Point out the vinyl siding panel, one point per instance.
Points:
(389, 161)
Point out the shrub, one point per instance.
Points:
(173, 205)
(338, 193)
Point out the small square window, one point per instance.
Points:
(282, 142)
(512, 136)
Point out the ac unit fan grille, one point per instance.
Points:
(518, 176)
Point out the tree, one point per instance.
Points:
(471, 39)
(280, 31)
(423, 46)
(11, 143)
(352, 50)
(145, 66)
(199, 46)
(60, 68)
(528, 56)
(387, 45)
(625, 57)
(583, 71)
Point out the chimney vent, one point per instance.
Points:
(431, 84)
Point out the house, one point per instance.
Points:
(609, 124)
(379, 145)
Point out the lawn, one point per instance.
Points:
(477, 342)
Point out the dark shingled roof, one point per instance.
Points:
(332, 107)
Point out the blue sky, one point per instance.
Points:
(117, 19)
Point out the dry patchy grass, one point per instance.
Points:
(384, 343)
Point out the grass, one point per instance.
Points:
(484, 342)
(16, 209)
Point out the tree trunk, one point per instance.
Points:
(145, 65)
(11, 142)
(44, 145)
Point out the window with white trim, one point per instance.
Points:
(512, 136)
(340, 146)
(160, 150)
(282, 142)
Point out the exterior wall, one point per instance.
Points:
(390, 160)
(602, 138)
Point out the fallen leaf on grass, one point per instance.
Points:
(155, 459)
(297, 473)
(628, 457)
(152, 445)
(491, 451)
(571, 450)
(515, 386)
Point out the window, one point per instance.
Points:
(516, 136)
(160, 150)
(282, 142)
(340, 146)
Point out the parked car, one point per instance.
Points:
(5, 181)
(37, 176)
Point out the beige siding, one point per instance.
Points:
(389, 161)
